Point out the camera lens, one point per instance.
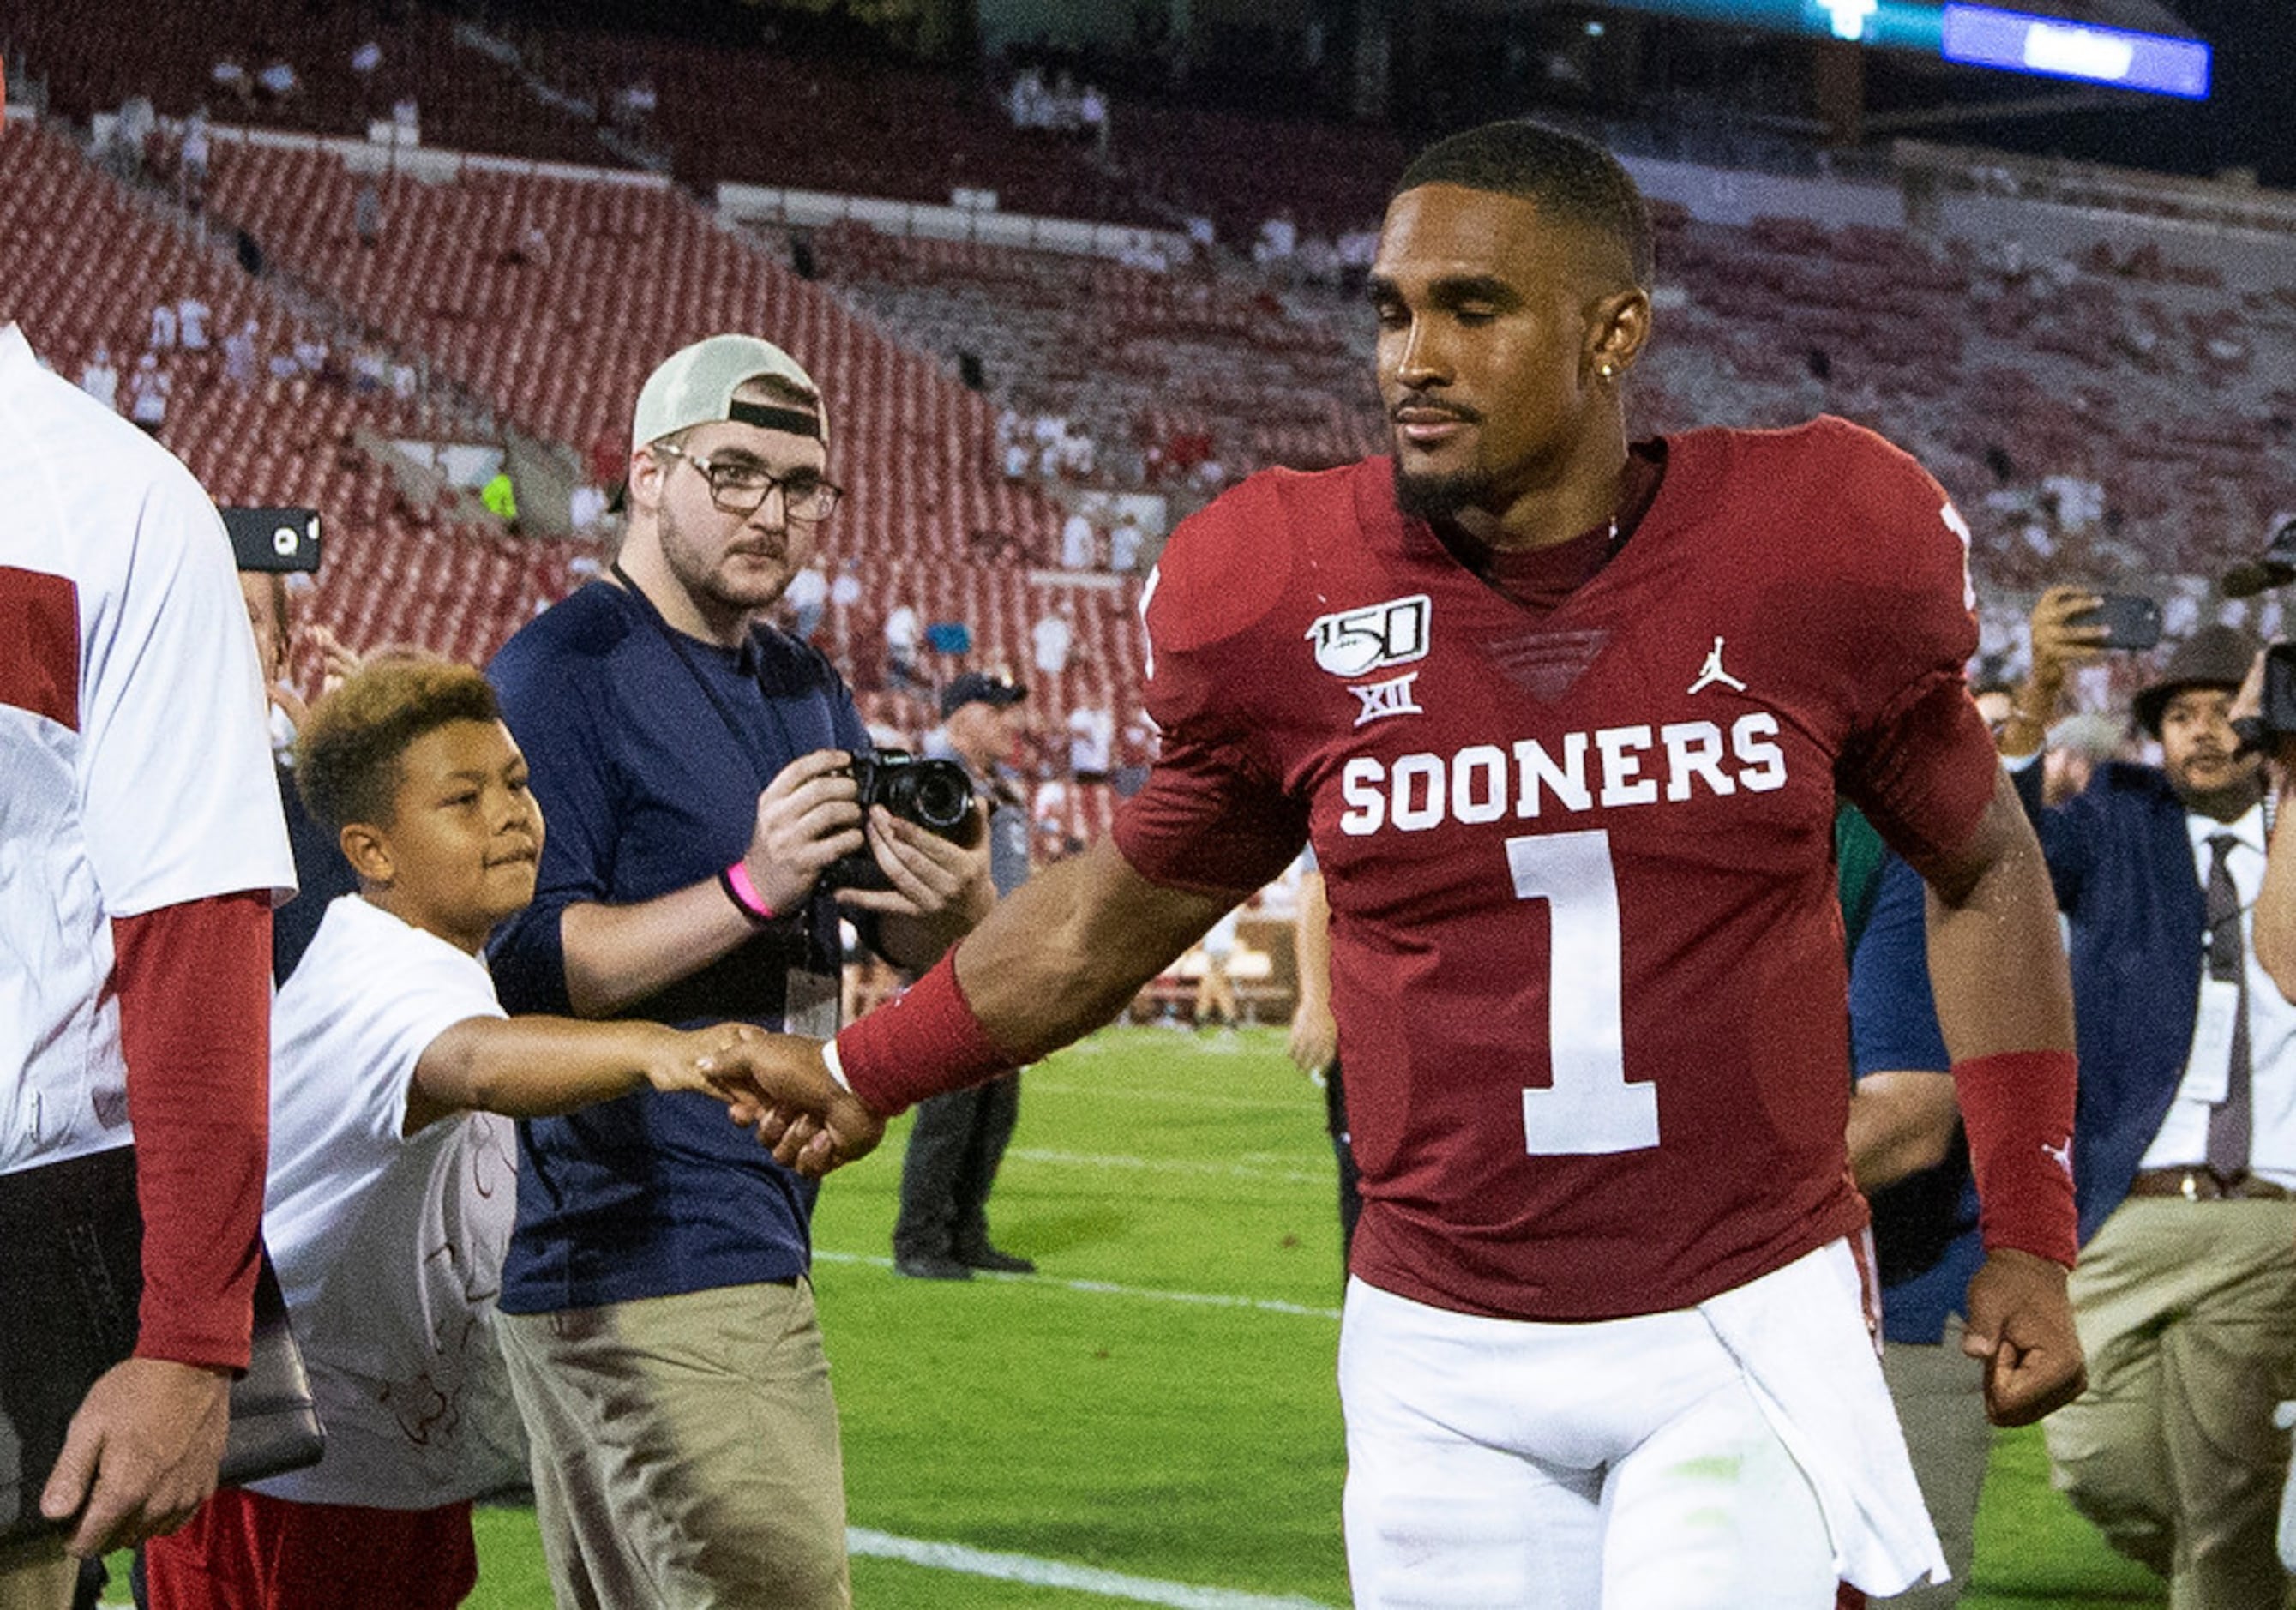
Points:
(942, 797)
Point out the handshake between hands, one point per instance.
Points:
(777, 1085)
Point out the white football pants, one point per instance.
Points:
(1618, 1465)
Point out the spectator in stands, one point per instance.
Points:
(407, 119)
(1079, 541)
(1125, 543)
(387, 1207)
(637, 104)
(162, 338)
(1092, 118)
(99, 380)
(2187, 1125)
(693, 766)
(844, 591)
(238, 355)
(586, 508)
(191, 160)
(1092, 734)
(367, 214)
(192, 317)
(904, 632)
(229, 76)
(147, 395)
(501, 497)
(1277, 241)
(1051, 638)
(278, 81)
(133, 783)
(941, 1232)
(808, 599)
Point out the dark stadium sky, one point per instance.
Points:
(2246, 122)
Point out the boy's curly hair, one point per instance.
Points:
(347, 755)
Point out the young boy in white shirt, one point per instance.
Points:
(391, 1185)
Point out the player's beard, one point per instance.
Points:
(1441, 496)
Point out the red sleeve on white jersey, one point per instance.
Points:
(1213, 816)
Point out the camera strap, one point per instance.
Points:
(685, 651)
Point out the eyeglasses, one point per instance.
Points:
(740, 486)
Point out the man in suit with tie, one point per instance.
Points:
(2184, 1151)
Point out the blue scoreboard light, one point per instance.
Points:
(1977, 36)
(2018, 42)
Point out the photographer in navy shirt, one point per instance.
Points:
(691, 763)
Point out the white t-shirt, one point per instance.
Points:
(1076, 543)
(390, 1246)
(1091, 733)
(1052, 636)
(134, 769)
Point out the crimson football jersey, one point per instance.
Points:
(1587, 957)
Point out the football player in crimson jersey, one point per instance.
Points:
(1565, 718)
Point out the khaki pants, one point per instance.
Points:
(685, 1452)
(2187, 1313)
(1939, 1391)
(38, 1576)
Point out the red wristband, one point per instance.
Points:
(735, 881)
(924, 1042)
(2017, 1107)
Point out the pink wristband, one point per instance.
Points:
(735, 880)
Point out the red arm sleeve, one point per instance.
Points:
(194, 984)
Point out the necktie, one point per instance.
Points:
(2228, 1120)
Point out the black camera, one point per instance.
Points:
(2277, 718)
(937, 795)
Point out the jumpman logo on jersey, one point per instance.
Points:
(1389, 698)
(1712, 672)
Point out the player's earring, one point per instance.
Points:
(1606, 370)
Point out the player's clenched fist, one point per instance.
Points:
(2021, 1321)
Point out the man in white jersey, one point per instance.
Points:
(144, 852)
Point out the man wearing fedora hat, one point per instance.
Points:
(959, 1138)
(2184, 1148)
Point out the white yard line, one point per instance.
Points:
(1309, 1099)
(1059, 1573)
(1109, 1288)
(1172, 1166)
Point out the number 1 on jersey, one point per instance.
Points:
(1590, 1109)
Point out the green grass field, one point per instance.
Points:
(1157, 1401)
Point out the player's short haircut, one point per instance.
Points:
(347, 756)
(1565, 174)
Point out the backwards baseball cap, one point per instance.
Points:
(979, 687)
(695, 386)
